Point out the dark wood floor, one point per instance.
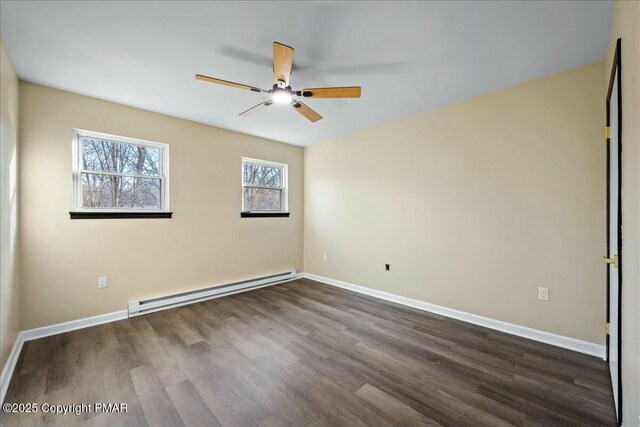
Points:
(307, 354)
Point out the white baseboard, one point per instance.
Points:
(10, 365)
(72, 325)
(498, 325)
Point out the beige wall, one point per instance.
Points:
(9, 251)
(205, 243)
(474, 205)
(626, 25)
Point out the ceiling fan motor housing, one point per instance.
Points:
(281, 86)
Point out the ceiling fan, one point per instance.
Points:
(281, 93)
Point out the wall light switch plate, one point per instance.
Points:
(324, 257)
(102, 282)
(543, 294)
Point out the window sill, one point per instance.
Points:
(263, 214)
(118, 215)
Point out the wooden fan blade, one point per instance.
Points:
(306, 111)
(251, 111)
(228, 83)
(282, 62)
(332, 92)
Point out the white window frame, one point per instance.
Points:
(284, 187)
(78, 171)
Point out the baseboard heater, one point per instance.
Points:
(137, 308)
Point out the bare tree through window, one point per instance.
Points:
(263, 187)
(119, 175)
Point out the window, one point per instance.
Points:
(264, 188)
(119, 175)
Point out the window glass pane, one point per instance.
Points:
(103, 155)
(262, 199)
(109, 191)
(263, 175)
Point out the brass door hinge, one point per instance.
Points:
(607, 132)
(607, 328)
(613, 261)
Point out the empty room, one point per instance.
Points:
(320, 213)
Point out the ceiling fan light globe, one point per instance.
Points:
(282, 97)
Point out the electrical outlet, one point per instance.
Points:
(387, 267)
(102, 282)
(324, 257)
(543, 294)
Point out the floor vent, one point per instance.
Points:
(137, 308)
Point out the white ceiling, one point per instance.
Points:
(407, 56)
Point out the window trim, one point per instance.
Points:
(76, 203)
(284, 188)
